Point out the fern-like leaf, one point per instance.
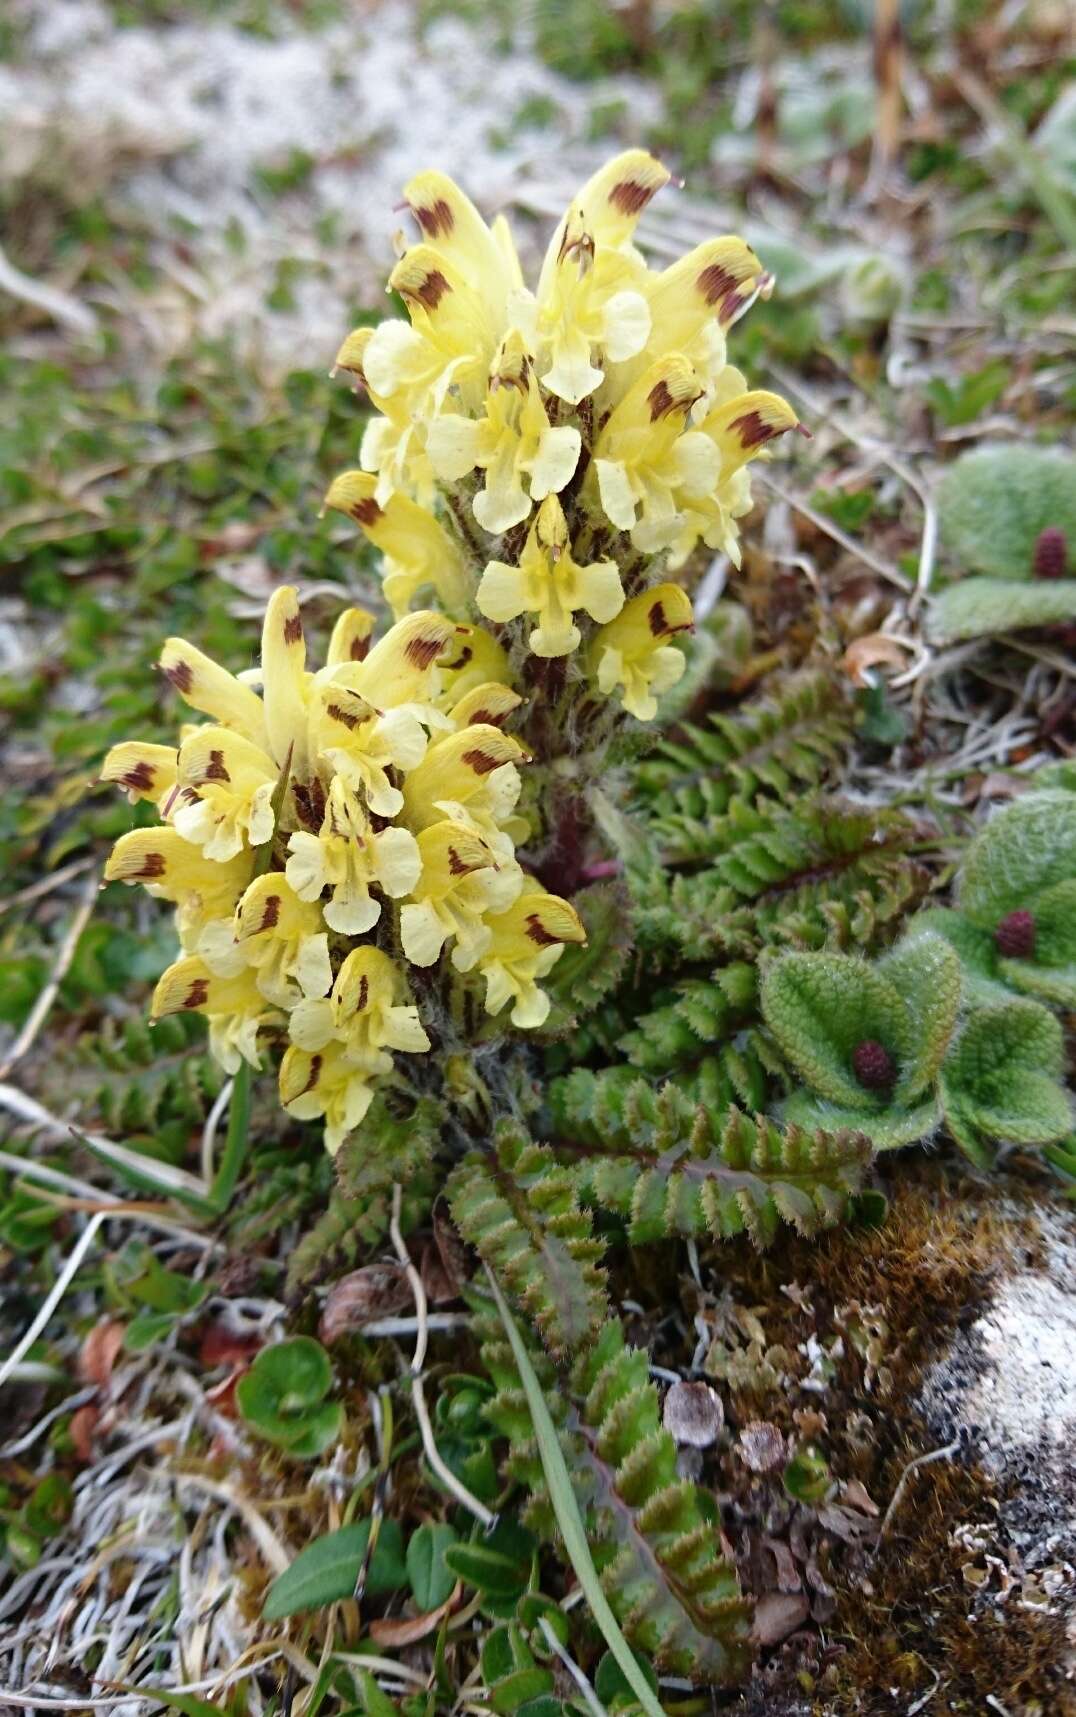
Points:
(776, 745)
(702, 1012)
(673, 1167)
(518, 1208)
(652, 1534)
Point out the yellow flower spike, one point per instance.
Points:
(549, 582)
(147, 771)
(351, 638)
(234, 1007)
(231, 785)
(489, 705)
(284, 941)
(213, 691)
(284, 683)
(513, 441)
(172, 869)
(461, 881)
(362, 1014)
(348, 856)
(417, 550)
(526, 942)
(325, 1085)
(646, 462)
(469, 777)
(634, 653)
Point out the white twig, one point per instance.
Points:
(60, 1287)
(59, 305)
(38, 1013)
(418, 1395)
(170, 1179)
(827, 526)
(590, 1698)
(952, 1448)
(209, 1131)
(47, 884)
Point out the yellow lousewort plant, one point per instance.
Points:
(356, 881)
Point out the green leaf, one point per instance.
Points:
(994, 501)
(498, 1563)
(1025, 849)
(281, 1397)
(985, 607)
(925, 971)
(887, 1129)
(142, 1332)
(1002, 1077)
(326, 1571)
(819, 1007)
(611, 1684)
(50, 1506)
(431, 1580)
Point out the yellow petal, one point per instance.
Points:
(743, 426)
(270, 906)
(147, 771)
(648, 620)
(284, 682)
(714, 281)
(398, 668)
(489, 704)
(351, 637)
(210, 688)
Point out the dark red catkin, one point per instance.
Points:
(873, 1065)
(1014, 937)
(1051, 553)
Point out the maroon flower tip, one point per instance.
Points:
(1051, 553)
(1014, 937)
(873, 1065)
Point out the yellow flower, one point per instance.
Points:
(325, 1084)
(362, 1014)
(692, 303)
(633, 651)
(231, 784)
(234, 1007)
(526, 942)
(204, 891)
(284, 941)
(740, 427)
(418, 552)
(591, 297)
(454, 230)
(147, 771)
(645, 461)
(348, 856)
(461, 880)
(469, 777)
(549, 583)
(511, 442)
(394, 440)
